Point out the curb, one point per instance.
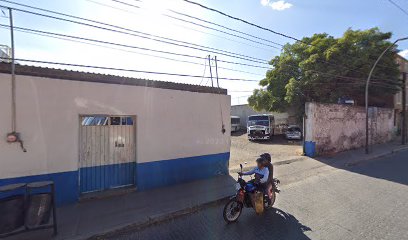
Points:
(379, 155)
(156, 219)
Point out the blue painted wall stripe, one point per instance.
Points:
(169, 172)
(148, 175)
(66, 184)
(104, 177)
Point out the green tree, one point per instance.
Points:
(323, 68)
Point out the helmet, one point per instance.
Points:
(266, 156)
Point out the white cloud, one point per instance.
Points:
(265, 2)
(404, 53)
(278, 5)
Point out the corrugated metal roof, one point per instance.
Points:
(63, 74)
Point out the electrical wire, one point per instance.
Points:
(230, 29)
(71, 37)
(127, 70)
(203, 26)
(127, 51)
(135, 33)
(214, 29)
(119, 27)
(107, 5)
(399, 7)
(242, 20)
(254, 25)
(129, 46)
(182, 26)
(91, 25)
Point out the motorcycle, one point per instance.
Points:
(242, 198)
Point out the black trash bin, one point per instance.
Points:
(40, 206)
(12, 205)
(38, 210)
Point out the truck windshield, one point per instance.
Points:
(235, 121)
(258, 120)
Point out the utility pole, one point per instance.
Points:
(209, 64)
(404, 108)
(13, 75)
(368, 84)
(216, 71)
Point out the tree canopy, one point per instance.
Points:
(323, 68)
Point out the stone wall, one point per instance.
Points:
(335, 128)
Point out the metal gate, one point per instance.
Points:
(107, 152)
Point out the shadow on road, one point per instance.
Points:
(238, 133)
(391, 168)
(273, 224)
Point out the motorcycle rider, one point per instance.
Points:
(269, 166)
(261, 172)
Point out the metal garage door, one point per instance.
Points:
(107, 152)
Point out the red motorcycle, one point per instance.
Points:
(244, 198)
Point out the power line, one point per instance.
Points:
(398, 6)
(242, 20)
(111, 29)
(123, 45)
(146, 35)
(128, 4)
(127, 70)
(214, 29)
(231, 29)
(254, 25)
(203, 26)
(182, 26)
(127, 51)
(129, 46)
(107, 5)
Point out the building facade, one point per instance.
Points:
(338, 127)
(403, 66)
(93, 132)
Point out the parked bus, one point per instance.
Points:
(261, 126)
(235, 123)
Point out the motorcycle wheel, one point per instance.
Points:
(232, 210)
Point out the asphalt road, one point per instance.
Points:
(366, 201)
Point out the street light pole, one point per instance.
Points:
(368, 83)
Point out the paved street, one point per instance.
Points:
(366, 201)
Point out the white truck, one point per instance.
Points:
(235, 123)
(261, 126)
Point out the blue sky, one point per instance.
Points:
(297, 18)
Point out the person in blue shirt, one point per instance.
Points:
(261, 172)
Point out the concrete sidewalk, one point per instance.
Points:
(298, 170)
(346, 158)
(134, 210)
(355, 156)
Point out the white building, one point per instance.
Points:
(92, 132)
